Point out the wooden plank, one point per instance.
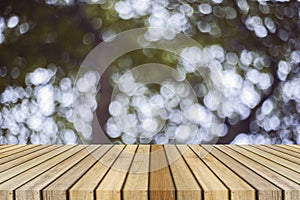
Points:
(290, 188)
(110, 187)
(161, 183)
(9, 148)
(226, 172)
(20, 152)
(185, 183)
(79, 174)
(27, 164)
(278, 164)
(293, 147)
(3, 146)
(297, 146)
(211, 185)
(32, 189)
(239, 189)
(297, 151)
(275, 156)
(21, 160)
(16, 150)
(136, 185)
(283, 156)
(7, 188)
(85, 186)
(265, 189)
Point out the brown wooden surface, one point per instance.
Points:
(134, 172)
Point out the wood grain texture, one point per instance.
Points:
(85, 187)
(265, 189)
(11, 169)
(136, 185)
(155, 172)
(276, 164)
(186, 185)
(290, 188)
(110, 187)
(212, 187)
(161, 183)
(31, 190)
(294, 147)
(275, 157)
(285, 149)
(25, 158)
(239, 189)
(23, 152)
(283, 156)
(59, 188)
(8, 148)
(17, 152)
(7, 187)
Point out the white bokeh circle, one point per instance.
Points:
(103, 55)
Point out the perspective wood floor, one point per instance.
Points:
(156, 172)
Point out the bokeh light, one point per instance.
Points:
(254, 44)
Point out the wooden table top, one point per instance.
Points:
(156, 172)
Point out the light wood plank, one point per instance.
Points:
(20, 153)
(211, 185)
(110, 187)
(239, 189)
(15, 151)
(281, 166)
(21, 160)
(7, 188)
(79, 175)
(161, 183)
(185, 183)
(288, 147)
(136, 185)
(3, 146)
(281, 155)
(291, 189)
(285, 149)
(265, 189)
(297, 146)
(224, 172)
(274, 157)
(85, 186)
(9, 148)
(27, 164)
(292, 147)
(31, 190)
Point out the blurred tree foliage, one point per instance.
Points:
(61, 35)
(55, 37)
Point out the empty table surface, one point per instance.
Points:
(158, 172)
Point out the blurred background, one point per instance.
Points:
(255, 45)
